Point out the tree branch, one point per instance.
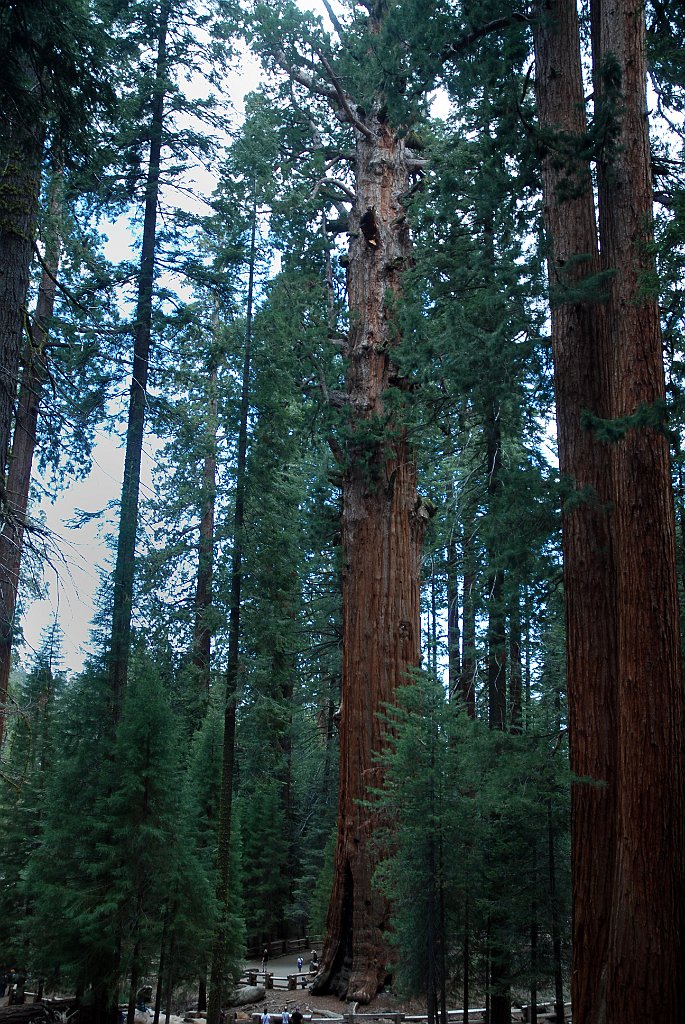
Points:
(344, 100)
(62, 288)
(306, 80)
(454, 49)
(334, 21)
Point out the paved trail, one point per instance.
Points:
(282, 965)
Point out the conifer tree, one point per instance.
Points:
(30, 756)
(617, 354)
(166, 28)
(381, 516)
(53, 81)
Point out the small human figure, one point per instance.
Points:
(314, 962)
(266, 1019)
(300, 961)
(285, 1016)
(265, 958)
(20, 984)
(296, 1016)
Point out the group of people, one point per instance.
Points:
(295, 1017)
(286, 1016)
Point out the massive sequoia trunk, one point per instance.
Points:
(581, 383)
(624, 677)
(645, 963)
(382, 530)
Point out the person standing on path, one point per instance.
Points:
(265, 958)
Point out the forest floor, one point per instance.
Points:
(276, 999)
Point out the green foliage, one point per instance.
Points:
(467, 832)
(29, 757)
(321, 892)
(116, 851)
(54, 68)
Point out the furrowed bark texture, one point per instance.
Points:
(581, 377)
(382, 530)
(646, 965)
(626, 709)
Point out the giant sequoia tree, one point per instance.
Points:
(382, 518)
(624, 672)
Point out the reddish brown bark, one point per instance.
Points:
(625, 689)
(645, 966)
(382, 530)
(581, 383)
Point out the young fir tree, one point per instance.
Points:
(133, 862)
(31, 751)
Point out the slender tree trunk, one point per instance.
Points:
(217, 979)
(515, 665)
(453, 637)
(442, 931)
(556, 917)
(431, 958)
(162, 963)
(497, 654)
(202, 631)
(382, 529)
(533, 1009)
(170, 981)
(645, 966)
(135, 981)
(433, 626)
(500, 995)
(202, 993)
(468, 662)
(581, 383)
(124, 572)
(466, 960)
(23, 447)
